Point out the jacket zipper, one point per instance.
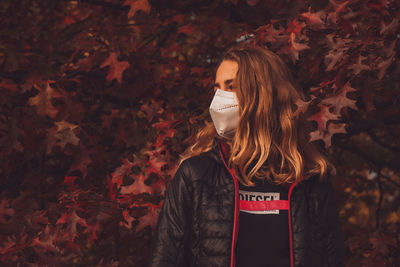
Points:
(290, 225)
(236, 219)
(236, 214)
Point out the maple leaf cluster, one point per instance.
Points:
(99, 98)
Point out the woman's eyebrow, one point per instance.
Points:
(226, 82)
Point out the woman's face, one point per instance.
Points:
(225, 76)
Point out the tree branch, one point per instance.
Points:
(378, 141)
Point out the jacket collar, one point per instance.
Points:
(214, 152)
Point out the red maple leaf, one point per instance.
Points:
(295, 27)
(338, 48)
(268, 33)
(71, 220)
(14, 243)
(326, 136)
(124, 169)
(150, 218)
(359, 66)
(339, 8)
(156, 160)
(152, 109)
(42, 101)
(48, 241)
(314, 19)
(128, 218)
(302, 106)
(293, 47)
(169, 132)
(116, 67)
(61, 136)
(323, 116)
(136, 5)
(138, 186)
(340, 100)
(70, 181)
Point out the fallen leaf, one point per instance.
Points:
(116, 67)
(136, 5)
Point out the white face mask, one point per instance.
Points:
(224, 111)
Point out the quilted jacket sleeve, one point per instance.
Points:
(332, 235)
(171, 235)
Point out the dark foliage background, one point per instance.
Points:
(98, 98)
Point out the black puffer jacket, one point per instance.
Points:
(198, 222)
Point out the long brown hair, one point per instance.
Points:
(270, 140)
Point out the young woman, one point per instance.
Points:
(251, 191)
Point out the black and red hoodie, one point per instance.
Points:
(204, 222)
(263, 233)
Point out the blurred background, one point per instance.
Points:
(99, 97)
